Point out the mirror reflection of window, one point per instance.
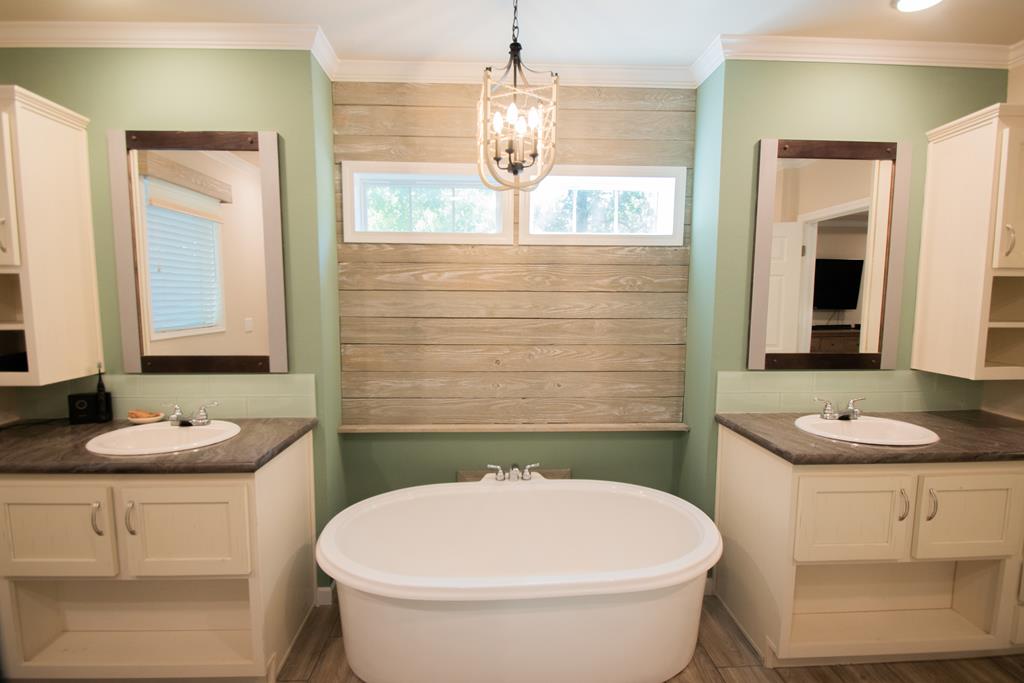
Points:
(200, 261)
(829, 241)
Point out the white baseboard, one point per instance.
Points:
(325, 595)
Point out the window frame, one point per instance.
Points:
(177, 202)
(351, 206)
(678, 173)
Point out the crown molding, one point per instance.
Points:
(472, 72)
(1017, 55)
(709, 60)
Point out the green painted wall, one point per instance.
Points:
(800, 100)
(277, 90)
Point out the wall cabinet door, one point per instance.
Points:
(58, 530)
(969, 515)
(844, 517)
(1010, 208)
(184, 530)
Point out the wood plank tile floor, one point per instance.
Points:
(723, 656)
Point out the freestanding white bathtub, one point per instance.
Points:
(540, 581)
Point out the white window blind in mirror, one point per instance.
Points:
(422, 203)
(184, 277)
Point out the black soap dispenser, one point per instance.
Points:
(91, 408)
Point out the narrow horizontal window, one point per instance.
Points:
(606, 205)
(426, 203)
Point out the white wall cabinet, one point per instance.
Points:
(134, 576)
(832, 562)
(971, 273)
(49, 308)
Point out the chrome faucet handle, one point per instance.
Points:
(499, 474)
(200, 418)
(828, 411)
(514, 473)
(851, 408)
(527, 473)
(176, 415)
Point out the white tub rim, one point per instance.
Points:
(691, 565)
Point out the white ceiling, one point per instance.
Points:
(634, 32)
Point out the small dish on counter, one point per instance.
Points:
(144, 417)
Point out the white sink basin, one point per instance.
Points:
(878, 431)
(161, 437)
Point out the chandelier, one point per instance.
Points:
(516, 123)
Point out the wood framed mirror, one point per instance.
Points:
(200, 267)
(829, 244)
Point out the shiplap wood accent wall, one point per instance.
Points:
(512, 338)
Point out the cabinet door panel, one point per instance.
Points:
(842, 517)
(185, 530)
(1010, 208)
(10, 252)
(58, 530)
(969, 515)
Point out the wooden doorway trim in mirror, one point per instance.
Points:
(771, 150)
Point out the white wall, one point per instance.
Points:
(245, 293)
(1016, 91)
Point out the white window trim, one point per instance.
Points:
(349, 200)
(678, 217)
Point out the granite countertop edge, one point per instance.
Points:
(965, 436)
(55, 447)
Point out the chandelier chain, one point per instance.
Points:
(515, 21)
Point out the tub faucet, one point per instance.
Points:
(527, 473)
(514, 474)
(499, 474)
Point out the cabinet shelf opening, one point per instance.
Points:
(1005, 347)
(13, 354)
(893, 608)
(1007, 300)
(10, 299)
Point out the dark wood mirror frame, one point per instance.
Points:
(119, 143)
(771, 150)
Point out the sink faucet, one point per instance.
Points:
(201, 418)
(176, 417)
(851, 412)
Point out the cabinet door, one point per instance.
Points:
(969, 515)
(184, 530)
(56, 530)
(844, 517)
(1009, 242)
(10, 252)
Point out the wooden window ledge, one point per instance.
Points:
(543, 427)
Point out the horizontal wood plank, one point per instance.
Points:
(501, 254)
(355, 119)
(155, 165)
(494, 277)
(462, 149)
(535, 410)
(510, 384)
(364, 304)
(466, 95)
(511, 358)
(489, 428)
(500, 331)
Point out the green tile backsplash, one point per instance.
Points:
(886, 391)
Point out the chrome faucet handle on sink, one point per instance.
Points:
(828, 412)
(176, 415)
(852, 412)
(499, 474)
(527, 471)
(201, 418)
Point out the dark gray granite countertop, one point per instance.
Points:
(56, 447)
(964, 436)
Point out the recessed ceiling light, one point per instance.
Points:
(914, 5)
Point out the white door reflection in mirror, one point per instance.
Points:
(828, 265)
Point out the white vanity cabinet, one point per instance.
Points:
(162, 575)
(869, 561)
(49, 307)
(971, 273)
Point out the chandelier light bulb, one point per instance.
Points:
(533, 118)
(513, 113)
(496, 122)
(520, 126)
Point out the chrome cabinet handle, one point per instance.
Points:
(1013, 239)
(935, 505)
(128, 518)
(96, 519)
(906, 505)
